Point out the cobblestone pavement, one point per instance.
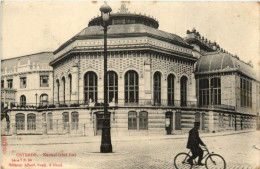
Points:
(238, 150)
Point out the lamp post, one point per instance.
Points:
(36, 99)
(106, 146)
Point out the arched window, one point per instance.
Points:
(143, 120)
(203, 92)
(131, 87)
(90, 86)
(170, 90)
(70, 85)
(64, 88)
(23, 100)
(215, 86)
(157, 88)
(178, 120)
(43, 99)
(132, 120)
(50, 121)
(112, 88)
(184, 91)
(44, 117)
(65, 119)
(58, 90)
(74, 121)
(20, 119)
(31, 121)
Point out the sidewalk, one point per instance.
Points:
(67, 139)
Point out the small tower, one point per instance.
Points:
(123, 8)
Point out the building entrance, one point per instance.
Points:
(168, 122)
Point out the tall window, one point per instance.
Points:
(2, 84)
(203, 121)
(170, 89)
(246, 92)
(203, 92)
(50, 121)
(58, 90)
(90, 86)
(23, 100)
(112, 88)
(44, 117)
(132, 120)
(31, 122)
(131, 87)
(157, 87)
(178, 120)
(143, 120)
(20, 119)
(43, 99)
(64, 88)
(23, 82)
(70, 87)
(10, 83)
(65, 119)
(44, 81)
(215, 91)
(74, 121)
(184, 91)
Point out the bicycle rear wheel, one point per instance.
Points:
(180, 161)
(215, 161)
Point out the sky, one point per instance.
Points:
(33, 27)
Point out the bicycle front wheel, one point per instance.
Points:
(215, 161)
(180, 161)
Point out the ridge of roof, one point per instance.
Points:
(25, 56)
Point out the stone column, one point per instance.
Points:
(147, 79)
(75, 87)
(14, 129)
(44, 128)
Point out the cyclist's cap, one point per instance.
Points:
(196, 123)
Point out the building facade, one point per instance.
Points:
(158, 83)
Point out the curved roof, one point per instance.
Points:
(220, 62)
(121, 31)
(126, 18)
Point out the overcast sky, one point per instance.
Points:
(32, 27)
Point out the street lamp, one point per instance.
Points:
(36, 99)
(106, 146)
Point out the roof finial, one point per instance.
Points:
(123, 8)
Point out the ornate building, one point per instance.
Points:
(158, 82)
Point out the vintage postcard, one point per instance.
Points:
(130, 85)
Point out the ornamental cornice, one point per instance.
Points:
(123, 42)
(27, 72)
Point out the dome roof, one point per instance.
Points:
(215, 62)
(121, 31)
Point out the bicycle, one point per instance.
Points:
(212, 160)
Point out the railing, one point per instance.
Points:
(118, 103)
(219, 106)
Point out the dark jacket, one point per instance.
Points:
(194, 139)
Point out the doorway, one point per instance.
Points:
(168, 123)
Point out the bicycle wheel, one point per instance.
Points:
(180, 161)
(215, 161)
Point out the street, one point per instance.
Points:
(241, 151)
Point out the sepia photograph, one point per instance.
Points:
(130, 85)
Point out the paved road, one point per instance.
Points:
(239, 150)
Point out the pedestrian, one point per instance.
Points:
(193, 144)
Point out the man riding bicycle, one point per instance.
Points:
(193, 144)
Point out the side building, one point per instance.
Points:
(26, 84)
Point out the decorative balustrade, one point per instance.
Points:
(117, 103)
